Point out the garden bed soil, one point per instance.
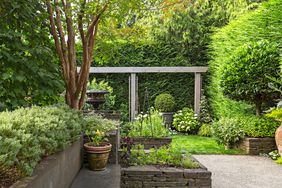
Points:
(255, 146)
(56, 171)
(153, 176)
(152, 142)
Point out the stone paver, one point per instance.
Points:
(232, 171)
(109, 178)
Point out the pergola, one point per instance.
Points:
(133, 81)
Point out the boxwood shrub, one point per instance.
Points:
(29, 134)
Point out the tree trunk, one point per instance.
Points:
(258, 104)
(75, 83)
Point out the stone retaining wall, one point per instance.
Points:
(152, 142)
(55, 171)
(153, 177)
(255, 146)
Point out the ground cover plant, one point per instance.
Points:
(148, 125)
(29, 134)
(195, 144)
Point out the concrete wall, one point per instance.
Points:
(151, 176)
(255, 146)
(56, 171)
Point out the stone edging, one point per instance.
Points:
(255, 146)
(152, 142)
(151, 176)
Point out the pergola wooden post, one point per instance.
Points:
(133, 81)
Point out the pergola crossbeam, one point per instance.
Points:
(133, 85)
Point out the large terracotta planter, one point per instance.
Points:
(97, 155)
(278, 139)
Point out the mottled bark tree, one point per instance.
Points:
(66, 18)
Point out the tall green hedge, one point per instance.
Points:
(262, 23)
(137, 54)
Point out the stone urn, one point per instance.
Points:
(278, 139)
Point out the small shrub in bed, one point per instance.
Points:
(164, 156)
(228, 132)
(148, 125)
(186, 121)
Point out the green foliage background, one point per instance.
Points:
(175, 37)
(263, 23)
(28, 70)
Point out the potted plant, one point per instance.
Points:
(97, 146)
(165, 103)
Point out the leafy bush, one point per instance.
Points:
(148, 125)
(162, 156)
(244, 76)
(205, 130)
(275, 113)
(102, 85)
(263, 23)
(258, 126)
(228, 132)
(28, 134)
(165, 103)
(185, 121)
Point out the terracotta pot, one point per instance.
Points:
(278, 139)
(97, 155)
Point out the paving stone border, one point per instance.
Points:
(150, 176)
(255, 146)
(152, 142)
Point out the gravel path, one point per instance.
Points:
(236, 171)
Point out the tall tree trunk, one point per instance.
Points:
(75, 82)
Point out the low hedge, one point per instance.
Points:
(29, 134)
(229, 130)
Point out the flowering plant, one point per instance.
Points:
(186, 121)
(96, 128)
(148, 125)
(96, 137)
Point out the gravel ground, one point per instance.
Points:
(238, 171)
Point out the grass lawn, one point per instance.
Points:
(201, 145)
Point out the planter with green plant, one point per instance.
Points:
(98, 148)
(162, 167)
(149, 130)
(250, 133)
(165, 103)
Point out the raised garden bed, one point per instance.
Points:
(56, 171)
(152, 142)
(152, 176)
(255, 146)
